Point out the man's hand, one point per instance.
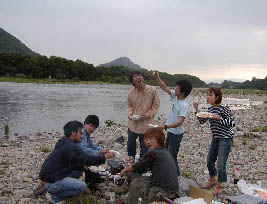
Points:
(122, 173)
(104, 151)
(156, 74)
(109, 155)
(86, 167)
(162, 127)
(195, 104)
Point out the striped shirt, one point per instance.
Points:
(220, 128)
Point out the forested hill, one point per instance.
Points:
(11, 44)
(122, 61)
(22, 66)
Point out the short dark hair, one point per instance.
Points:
(72, 126)
(133, 73)
(93, 119)
(157, 133)
(185, 87)
(217, 92)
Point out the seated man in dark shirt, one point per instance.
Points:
(161, 164)
(57, 169)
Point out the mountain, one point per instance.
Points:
(11, 44)
(122, 61)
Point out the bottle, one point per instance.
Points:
(237, 175)
(112, 197)
(137, 157)
(140, 200)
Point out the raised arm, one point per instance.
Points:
(161, 83)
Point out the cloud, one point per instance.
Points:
(194, 37)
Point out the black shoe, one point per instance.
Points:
(99, 180)
(93, 177)
(92, 187)
(40, 190)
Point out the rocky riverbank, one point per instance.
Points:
(21, 158)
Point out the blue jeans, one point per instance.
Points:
(173, 142)
(76, 174)
(131, 144)
(65, 188)
(219, 147)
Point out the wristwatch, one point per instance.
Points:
(166, 127)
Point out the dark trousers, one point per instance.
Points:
(173, 142)
(131, 144)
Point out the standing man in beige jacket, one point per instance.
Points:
(143, 104)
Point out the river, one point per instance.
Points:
(28, 107)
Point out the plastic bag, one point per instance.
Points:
(252, 189)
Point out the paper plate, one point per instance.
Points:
(117, 154)
(204, 115)
(135, 117)
(152, 125)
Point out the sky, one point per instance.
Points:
(211, 39)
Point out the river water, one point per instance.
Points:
(28, 108)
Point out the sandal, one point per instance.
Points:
(218, 189)
(211, 184)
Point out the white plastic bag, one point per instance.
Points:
(252, 189)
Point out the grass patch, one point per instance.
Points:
(83, 199)
(245, 141)
(256, 129)
(2, 172)
(252, 146)
(233, 144)
(264, 128)
(6, 129)
(109, 123)
(48, 81)
(4, 162)
(188, 175)
(44, 149)
(244, 91)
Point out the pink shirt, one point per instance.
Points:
(145, 103)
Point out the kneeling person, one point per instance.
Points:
(159, 161)
(91, 122)
(67, 156)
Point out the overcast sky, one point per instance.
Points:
(210, 39)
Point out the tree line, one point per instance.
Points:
(255, 83)
(41, 67)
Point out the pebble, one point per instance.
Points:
(20, 175)
(7, 191)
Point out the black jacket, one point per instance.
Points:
(66, 157)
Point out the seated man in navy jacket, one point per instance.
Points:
(57, 169)
(91, 122)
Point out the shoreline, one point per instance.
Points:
(70, 82)
(22, 157)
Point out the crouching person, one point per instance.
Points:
(159, 161)
(57, 168)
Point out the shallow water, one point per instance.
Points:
(29, 108)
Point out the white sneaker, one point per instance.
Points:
(49, 198)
